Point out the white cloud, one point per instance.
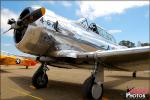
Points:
(5, 15)
(51, 2)
(66, 3)
(108, 18)
(94, 9)
(43, 2)
(4, 52)
(7, 44)
(114, 31)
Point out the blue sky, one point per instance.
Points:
(124, 20)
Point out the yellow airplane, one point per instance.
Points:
(17, 60)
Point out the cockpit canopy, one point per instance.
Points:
(96, 29)
(83, 22)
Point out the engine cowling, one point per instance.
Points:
(35, 41)
(31, 38)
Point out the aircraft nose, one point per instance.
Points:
(27, 16)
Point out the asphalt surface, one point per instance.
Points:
(65, 84)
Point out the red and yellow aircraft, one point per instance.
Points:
(17, 60)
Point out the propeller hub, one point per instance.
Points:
(11, 21)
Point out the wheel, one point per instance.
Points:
(40, 80)
(88, 86)
(134, 74)
(26, 67)
(93, 90)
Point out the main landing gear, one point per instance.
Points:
(134, 74)
(27, 67)
(40, 79)
(93, 87)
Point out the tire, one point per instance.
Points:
(93, 90)
(87, 87)
(27, 67)
(134, 74)
(40, 81)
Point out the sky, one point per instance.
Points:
(125, 20)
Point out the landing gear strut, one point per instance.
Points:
(27, 67)
(93, 87)
(40, 78)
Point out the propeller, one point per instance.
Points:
(27, 19)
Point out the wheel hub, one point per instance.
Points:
(96, 91)
(40, 80)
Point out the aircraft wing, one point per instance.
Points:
(137, 58)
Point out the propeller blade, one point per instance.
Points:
(31, 17)
(6, 31)
(37, 14)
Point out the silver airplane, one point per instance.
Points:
(59, 42)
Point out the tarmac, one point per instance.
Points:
(65, 84)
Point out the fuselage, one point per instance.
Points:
(41, 38)
(52, 33)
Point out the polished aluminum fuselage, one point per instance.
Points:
(42, 39)
(71, 36)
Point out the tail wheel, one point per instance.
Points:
(40, 80)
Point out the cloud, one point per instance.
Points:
(7, 44)
(94, 9)
(63, 3)
(108, 18)
(42, 2)
(114, 31)
(4, 52)
(66, 3)
(5, 15)
(50, 2)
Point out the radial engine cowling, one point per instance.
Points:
(35, 41)
(29, 37)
